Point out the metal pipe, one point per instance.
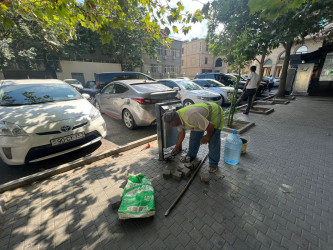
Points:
(186, 187)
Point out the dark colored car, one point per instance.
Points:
(102, 79)
(227, 80)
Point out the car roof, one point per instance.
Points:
(134, 81)
(30, 81)
(125, 72)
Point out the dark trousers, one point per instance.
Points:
(248, 94)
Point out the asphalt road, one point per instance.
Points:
(117, 135)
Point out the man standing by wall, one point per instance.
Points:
(249, 89)
(198, 118)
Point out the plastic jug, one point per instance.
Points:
(233, 147)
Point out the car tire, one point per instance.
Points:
(187, 102)
(223, 100)
(128, 119)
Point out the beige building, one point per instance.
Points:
(196, 59)
(274, 61)
(84, 71)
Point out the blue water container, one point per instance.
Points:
(232, 149)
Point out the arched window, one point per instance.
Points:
(302, 50)
(282, 56)
(218, 62)
(268, 62)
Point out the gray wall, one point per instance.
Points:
(168, 64)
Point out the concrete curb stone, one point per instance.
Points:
(71, 165)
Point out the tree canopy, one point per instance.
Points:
(99, 15)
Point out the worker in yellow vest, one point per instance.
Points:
(198, 118)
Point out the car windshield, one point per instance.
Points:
(234, 78)
(73, 82)
(150, 87)
(188, 85)
(214, 83)
(26, 94)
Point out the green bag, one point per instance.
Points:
(138, 198)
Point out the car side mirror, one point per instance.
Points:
(86, 96)
(176, 88)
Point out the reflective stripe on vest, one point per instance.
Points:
(214, 114)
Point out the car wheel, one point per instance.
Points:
(223, 100)
(187, 102)
(128, 119)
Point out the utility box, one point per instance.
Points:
(166, 136)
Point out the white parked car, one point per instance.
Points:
(191, 92)
(216, 86)
(41, 119)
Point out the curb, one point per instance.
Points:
(69, 166)
(239, 131)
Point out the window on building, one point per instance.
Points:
(159, 51)
(78, 76)
(302, 50)
(206, 60)
(268, 62)
(207, 47)
(218, 62)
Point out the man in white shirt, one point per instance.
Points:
(249, 89)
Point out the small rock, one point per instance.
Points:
(189, 165)
(116, 201)
(177, 175)
(186, 172)
(204, 177)
(166, 173)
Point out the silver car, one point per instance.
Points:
(133, 101)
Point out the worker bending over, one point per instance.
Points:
(198, 118)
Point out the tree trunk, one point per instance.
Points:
(283, 79)
(261, 72)
(262, 60)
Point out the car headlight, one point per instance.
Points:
(94, 114)
(11, 129)
(204, 98)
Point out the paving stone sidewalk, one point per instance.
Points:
(280, 196)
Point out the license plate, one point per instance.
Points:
(68, 138)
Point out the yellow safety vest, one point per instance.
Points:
(215, 113)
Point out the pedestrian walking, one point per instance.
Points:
(270, 83)
(199, 118)
(249, 89)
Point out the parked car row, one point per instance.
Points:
(41, 119)
(230, 80)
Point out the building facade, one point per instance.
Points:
(196, 59)
(274, 61)
(168, 63)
